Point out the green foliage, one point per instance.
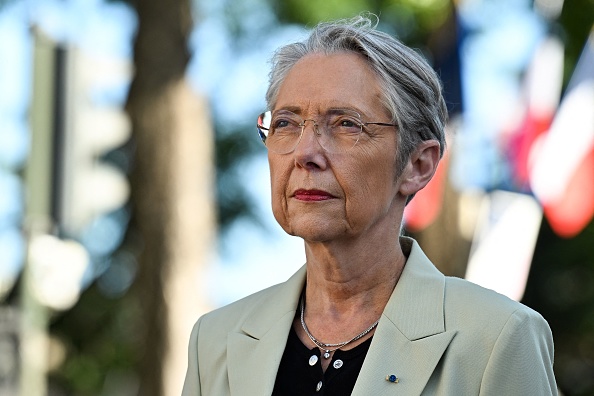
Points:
(99, 335)
(429, 14)
(560, 288)
(576, 22)
(232, 149)
(411, 20)
(310, 12)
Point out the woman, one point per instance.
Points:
(355, 129)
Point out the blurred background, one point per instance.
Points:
(134, 191)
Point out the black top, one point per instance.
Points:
(296, 376)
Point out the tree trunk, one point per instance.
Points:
(172, 186)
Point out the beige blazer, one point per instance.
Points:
(438, 335)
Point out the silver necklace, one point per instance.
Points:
(327, 348)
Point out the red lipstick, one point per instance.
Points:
(312, 195)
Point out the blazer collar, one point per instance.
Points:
(408, 342)
(411, 336)
(417, 302)
(254, 355)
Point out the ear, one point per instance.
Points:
(420, 168)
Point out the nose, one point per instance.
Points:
(309, 153)
(305, 139)
(314, 124)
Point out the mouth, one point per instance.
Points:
(312, 195)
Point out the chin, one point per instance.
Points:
(316, 231)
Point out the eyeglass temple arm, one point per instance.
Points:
(260, 133)
(378, 123)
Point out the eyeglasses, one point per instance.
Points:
(337, 131)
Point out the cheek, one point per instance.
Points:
(373, 186)
(278, 183)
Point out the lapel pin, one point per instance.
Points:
(392, 378)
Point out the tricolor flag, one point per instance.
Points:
(542, 85)
(562, 174)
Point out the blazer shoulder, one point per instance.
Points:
(473, 303)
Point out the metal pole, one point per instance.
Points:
(38, 218)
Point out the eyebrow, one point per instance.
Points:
(293, 109)
(331, 110)
(342, 110)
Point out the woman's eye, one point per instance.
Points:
(281, 123)
(347, 124)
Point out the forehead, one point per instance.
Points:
(318, 82)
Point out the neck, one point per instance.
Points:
(349, 283)
(344, 271)
(352, 278)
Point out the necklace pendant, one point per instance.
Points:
(326, 354)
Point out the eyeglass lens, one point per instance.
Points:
(336, 131)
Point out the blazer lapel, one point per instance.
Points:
(253, 355)
(391, 353)
(410, 338)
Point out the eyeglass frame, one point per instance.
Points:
(316, 128)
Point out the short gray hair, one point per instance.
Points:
(412, 91)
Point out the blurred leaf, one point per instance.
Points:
(100, 336)
(310, 12)
(410, 20)
(576, 20)
(560, 288)
(233, 147)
